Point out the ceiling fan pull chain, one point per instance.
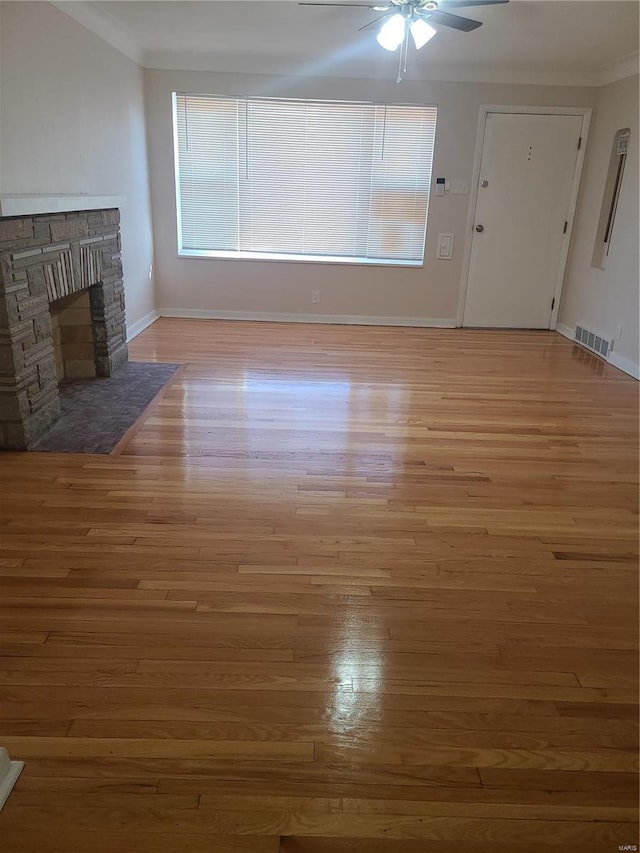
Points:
(406, 51)
(402, 59)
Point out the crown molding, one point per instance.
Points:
(628, 66)
(94, 18)
(428, 73)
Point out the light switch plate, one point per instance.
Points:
(445, 247)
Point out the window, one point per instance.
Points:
(609, 207)
(302, 180)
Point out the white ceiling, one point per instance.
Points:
(531, 38)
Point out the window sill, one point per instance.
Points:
(299, 259)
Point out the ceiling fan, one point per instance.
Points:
(416, 17)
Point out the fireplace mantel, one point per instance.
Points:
(32, 205)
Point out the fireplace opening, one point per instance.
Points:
(72, 332)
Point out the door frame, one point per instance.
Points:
(485, 109)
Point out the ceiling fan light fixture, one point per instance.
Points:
(421, 31)
(392, 33)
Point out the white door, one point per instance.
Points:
(524, 195)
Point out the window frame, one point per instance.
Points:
(280, 257)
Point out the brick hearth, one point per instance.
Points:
(44, 259)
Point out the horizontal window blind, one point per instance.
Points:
(302, 178)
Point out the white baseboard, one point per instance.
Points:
(567, 331)
(340, 319)
(9, 772)
(619, 361)
(140, 325)
(625, 364)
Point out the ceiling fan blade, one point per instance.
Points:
(460, 4)
(453, 21)
(359, 5)
(375, 21)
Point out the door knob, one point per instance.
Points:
(479, 228)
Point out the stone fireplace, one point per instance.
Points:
(62, 313)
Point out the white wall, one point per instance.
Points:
(599, 299)
(190, 285)
(73, 122)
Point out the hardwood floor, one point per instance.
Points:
(367, 589)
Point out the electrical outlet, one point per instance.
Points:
(315, 296)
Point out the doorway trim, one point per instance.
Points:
(485, 109)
